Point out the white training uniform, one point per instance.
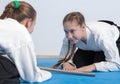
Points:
(100, 37)
(16, 42)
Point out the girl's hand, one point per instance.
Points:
(88, 68)
(68, 67)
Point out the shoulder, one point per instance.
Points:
(100, 27)
(14, 29)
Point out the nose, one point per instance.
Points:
(69, 35)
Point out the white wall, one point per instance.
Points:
(48, 33)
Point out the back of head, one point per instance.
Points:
(24, 10)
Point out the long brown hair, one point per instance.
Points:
(25, 10)
(79, 18)
(68, 56)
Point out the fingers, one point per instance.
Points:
(69, 69)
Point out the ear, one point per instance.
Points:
(83, 27)
(27, 22)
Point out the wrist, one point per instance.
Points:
(93, 67)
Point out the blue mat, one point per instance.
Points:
(62, 78)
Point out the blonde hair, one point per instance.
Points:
(25, 10)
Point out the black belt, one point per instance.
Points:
(109, 22)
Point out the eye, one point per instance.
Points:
(72, 31)
(65, 31)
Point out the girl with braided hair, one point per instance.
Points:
(17, 55)
(89, 46)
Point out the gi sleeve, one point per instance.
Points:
(25, 61)
(107, 43)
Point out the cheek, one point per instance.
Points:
(32, 28)
(78, 35)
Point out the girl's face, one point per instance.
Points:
(74, 32)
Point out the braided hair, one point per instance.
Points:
(24, 10)
(68, 56)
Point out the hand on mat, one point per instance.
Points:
(88, 68)
(68, 67)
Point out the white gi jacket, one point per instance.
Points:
(100, 37)
(16, 42)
